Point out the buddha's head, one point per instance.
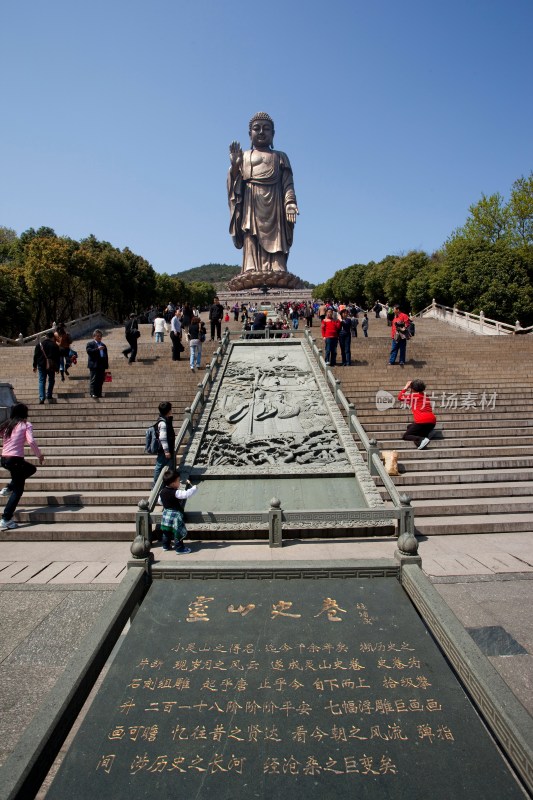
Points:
(261, 130)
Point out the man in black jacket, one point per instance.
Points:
(216, 314)
(98, 363)
(131, 330)
(46, 362)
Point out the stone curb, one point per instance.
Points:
(506, 717)
(27, 767)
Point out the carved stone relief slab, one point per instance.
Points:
(270, 412)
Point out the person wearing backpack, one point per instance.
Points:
(166, 436)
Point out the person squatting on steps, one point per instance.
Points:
(173, 499)
(46, 362)
(166, 436)
(15, 433)
(419, 431)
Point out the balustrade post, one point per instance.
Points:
(141, 545)
(351, 426)
(275, 532)
(371, 450)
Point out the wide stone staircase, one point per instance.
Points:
(95, 469)
(474, 477)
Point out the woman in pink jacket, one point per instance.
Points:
(15, 434)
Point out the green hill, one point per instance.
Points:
(217, 274)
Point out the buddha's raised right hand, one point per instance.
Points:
(235, 156)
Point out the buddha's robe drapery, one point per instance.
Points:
(258, 196)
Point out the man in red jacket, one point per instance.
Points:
(330, 334)
(400, 334)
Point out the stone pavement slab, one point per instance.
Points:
(21, 613)
(23, 690)
(41, 627)
(79, 572)
(56, 634)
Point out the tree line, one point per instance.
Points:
(45, 278)
(485, 265)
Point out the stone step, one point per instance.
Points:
(474, 523)
(454, 477)
(36, 498)
(76, 513)
(92, 450)
(466, 431)
(450, 491)
(472, 446)
(78, 475)
(110, 531)
(97, 461)
(368, 418)
(468, 505)
(444, 464)
(136, 440)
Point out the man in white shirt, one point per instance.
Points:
(175, 336)
(159, 328)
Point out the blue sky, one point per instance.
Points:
(117, 116)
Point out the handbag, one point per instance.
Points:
(136, 333)
(108, 377)
(49, 365)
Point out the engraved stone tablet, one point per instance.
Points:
(262, 688)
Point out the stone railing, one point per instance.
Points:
(143, 524)
(475, 323)
(402, 510)
(76, 327)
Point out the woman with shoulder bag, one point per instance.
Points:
(15, 433)
(63, 341)
(46, 363)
